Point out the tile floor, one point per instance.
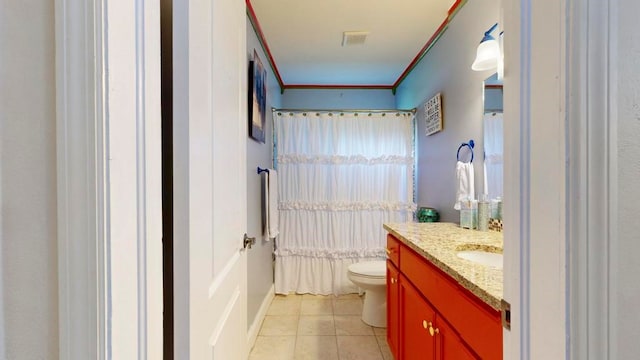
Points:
(318, 327)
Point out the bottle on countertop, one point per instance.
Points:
(483, 212)
(469, 214)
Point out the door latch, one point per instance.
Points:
(247, 242)
(506, 314)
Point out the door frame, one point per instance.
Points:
(83, 189)
(535, 216)
(81, 179)
(534, 126)
(593, 180)
(560, 178)
(90, 58)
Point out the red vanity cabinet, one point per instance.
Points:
(393, 295)
(431, 316)
(393, 309)
(425, 334)
(449, 345)
(417, 318)
(393, 250)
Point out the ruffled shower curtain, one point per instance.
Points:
(341, 176)
(493, 152)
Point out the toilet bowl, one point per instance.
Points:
(372, 277)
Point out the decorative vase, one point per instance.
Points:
(427, 214)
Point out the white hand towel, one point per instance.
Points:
(271, 204)
(464, 182)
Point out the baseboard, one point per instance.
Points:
(257, 322)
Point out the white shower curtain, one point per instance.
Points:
(493, 152)
(341, 176)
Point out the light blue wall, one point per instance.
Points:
(259, 258)
(338, 99)
(446, 68)
(493, 100)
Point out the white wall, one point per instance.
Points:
(28, 245)
(625, 265)
(338, 99)
(447, 69)
(259, 258)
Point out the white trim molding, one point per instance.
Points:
(254, 329)
(109, 179)
(512, 186)
(80, 174)
(535, 235)
(592, 180)
(134, 260)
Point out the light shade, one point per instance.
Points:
(488, 53)
(487, 56)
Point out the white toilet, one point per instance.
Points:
(372, 277)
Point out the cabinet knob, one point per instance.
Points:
(388, 251)
(424, 324)
(437, 331)
(393, 281)
(431, 331)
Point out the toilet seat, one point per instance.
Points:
(370, 269)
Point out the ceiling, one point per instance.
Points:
(304, 39)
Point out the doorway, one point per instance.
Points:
(166, 63)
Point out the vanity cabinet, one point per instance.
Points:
(430, 316)
(425, 333)
(393, 309)
(393, 295)
(417, 318)
(450, 345)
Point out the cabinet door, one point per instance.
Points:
(449, 346)
(393, 249)
(393, 309)
(416, 317)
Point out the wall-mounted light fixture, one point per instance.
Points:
(488, 54)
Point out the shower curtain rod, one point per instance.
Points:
(345, 110)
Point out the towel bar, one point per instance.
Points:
(262, 170)
(471, 144)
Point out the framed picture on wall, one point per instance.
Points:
(257, 98)
(433, 115)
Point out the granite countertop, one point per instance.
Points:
(440, 242)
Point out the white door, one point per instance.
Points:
(210, 129)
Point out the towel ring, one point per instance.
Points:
(471, 144)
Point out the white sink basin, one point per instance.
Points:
(482, 257)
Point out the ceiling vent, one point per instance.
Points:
(354, 37)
